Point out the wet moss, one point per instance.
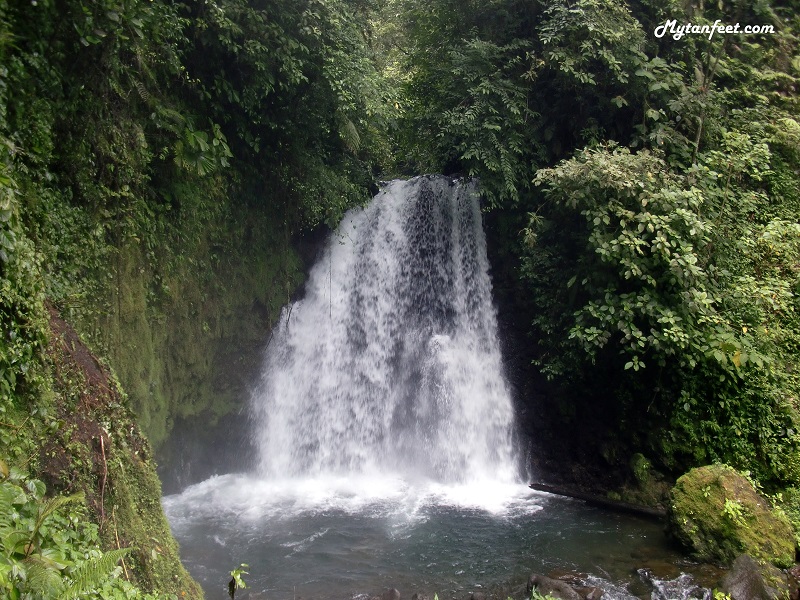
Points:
(648, 487)
(182, 335)
(99, 450)
(716, 514)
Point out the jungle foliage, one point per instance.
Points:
(654, 185)
(50, 550)
(154, 152)
(153, 157)
(157, 159)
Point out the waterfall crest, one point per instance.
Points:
(391, 363)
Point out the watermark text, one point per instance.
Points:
(678, 31)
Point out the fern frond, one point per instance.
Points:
(55, 503)
(92, 573)
(143, 93)
(349, 135)
(42, 580)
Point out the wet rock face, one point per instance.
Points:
(551, 587)
(717, 515)
(749, 580)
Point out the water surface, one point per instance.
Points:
(335, 538)
(385, 432)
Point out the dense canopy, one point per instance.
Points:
(159, 162)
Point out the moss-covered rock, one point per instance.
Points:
(716, 514)
(750, 580)
(641, 468)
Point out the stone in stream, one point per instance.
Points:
(749, 580)
(389, 594)
(594, 593)
(552, 587)
(682, 587)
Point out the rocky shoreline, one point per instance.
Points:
(743, 581)
(656, 579)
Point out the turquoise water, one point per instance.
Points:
(340, 538)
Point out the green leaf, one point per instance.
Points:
(92, 573)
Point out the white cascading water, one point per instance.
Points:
(390, 363)
(385, 426)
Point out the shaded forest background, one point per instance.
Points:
(165, 170)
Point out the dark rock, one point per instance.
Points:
(552, 587)
(749, 580)
(594, 593)
(390, 594)
(477, 596)
(794, 582)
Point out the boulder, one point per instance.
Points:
(749, 580)
(594, 593)
(716, 514)
(554, 588)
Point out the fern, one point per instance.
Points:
(42, 580)
(349, 134)
(143, 93)
(92, 573)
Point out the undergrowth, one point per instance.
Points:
(48, 548)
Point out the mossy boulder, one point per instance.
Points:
(750, 580)
(716, 514)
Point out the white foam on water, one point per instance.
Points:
(246, 500)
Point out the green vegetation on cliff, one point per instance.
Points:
(645, 199)
(165, 157)
(159, 160)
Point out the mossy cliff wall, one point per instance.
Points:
(95, 448)
(190, 354)
(188, 359)
(185, 335)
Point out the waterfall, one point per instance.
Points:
(391, 363)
